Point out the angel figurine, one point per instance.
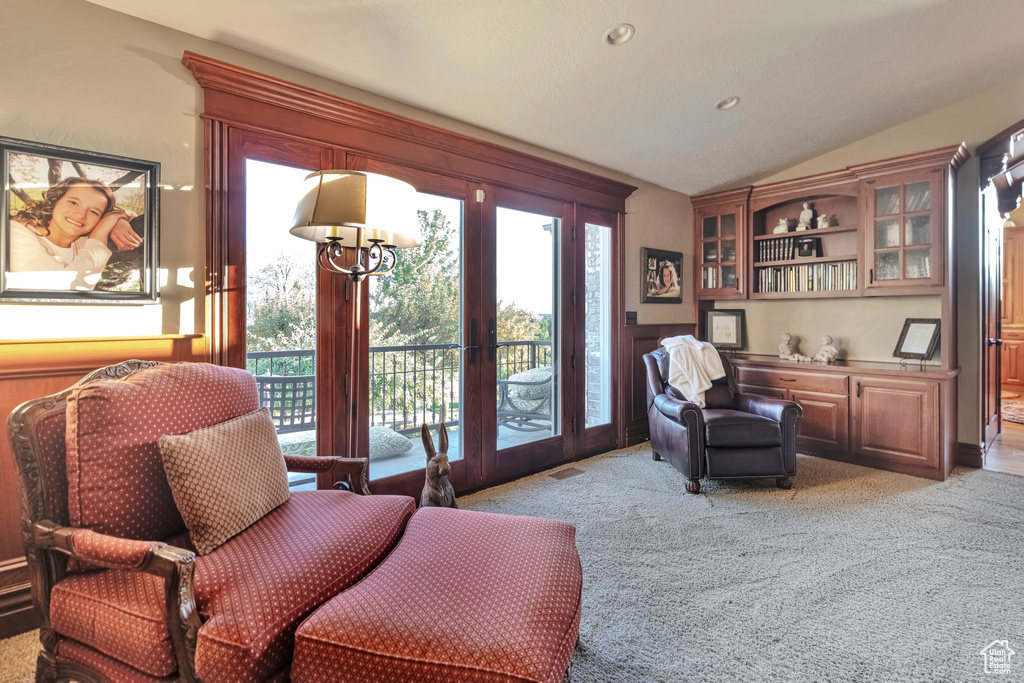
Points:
(822, 221)
(828, 352)
(786, 347)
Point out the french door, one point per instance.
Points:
(494, 341)
(499, 326)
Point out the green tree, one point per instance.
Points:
(418, 302)
(281, 307)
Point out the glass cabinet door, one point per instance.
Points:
(904, 238)
(719, 253)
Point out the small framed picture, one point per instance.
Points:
(808, 246)
(725, 328)
(661, 276)
(78, 227)
(918, 339)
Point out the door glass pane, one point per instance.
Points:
(919, 196)
(415, 321)
(919, 230)
(710, 252)
(598, 325)
(280, 298)
(729, 277)
(918, 263)
(728, 250)
(887, 265)
(728, 224)
(710, 224)
(887, 201)
(709, 277)
(528, 327)
(887, 233)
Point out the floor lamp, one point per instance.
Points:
(373, 215)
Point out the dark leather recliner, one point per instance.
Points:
(737, 436)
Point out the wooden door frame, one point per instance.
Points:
(239, 101)
(520, 460)
(466, 471)
(990, 162)
(601, 437)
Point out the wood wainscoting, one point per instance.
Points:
(31, 369)
(636, 341)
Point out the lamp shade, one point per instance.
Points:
(336, 204)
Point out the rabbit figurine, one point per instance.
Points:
(437, 491)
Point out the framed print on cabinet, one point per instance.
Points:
(725, 328)
(661, 276)
(78, 227)
(918, 339)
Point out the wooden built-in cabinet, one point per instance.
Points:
(904, 230)
(877, 414)
(1012, 368)
(896, 421)
(721, 245)
(1012, 314)
(886, 233)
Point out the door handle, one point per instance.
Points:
(783, 379)
(991, 341)
(472, 346)
(492, 340)
(999, 342)
(858, 389)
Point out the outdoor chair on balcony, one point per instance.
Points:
(525, 399)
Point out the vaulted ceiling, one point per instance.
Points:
(812, 74)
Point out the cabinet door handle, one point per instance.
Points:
(783, 379)
(999, 342)
(858, 389)
(871, 276)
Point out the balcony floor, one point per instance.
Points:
(304, 443)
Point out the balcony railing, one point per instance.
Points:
(409, 385)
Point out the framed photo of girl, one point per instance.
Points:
(78, 227)
(661, 276)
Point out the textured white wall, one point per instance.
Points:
(80, 75)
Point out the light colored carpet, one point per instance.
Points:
(854, 575)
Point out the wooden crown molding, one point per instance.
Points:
(844, 181)
(841, 182)
(213, 74)
(740, 194)
(954, 156)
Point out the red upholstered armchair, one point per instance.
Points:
(121, 593)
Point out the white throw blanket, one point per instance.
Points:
(693, 365)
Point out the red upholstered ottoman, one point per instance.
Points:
(464, 596)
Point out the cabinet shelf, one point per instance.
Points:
(805, 261)
(815, 232)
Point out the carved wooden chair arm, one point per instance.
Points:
(352, 473)
(174, 565)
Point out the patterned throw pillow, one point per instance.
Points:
(387, 443)
(225, 477)
(539, 388)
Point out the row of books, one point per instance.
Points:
(814, 277)
(780, 249)
(889, 200)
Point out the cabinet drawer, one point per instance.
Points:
(788, 379)
(770, 392)
(1012, 334)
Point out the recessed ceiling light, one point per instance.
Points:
(727, 103)
(620, 34)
